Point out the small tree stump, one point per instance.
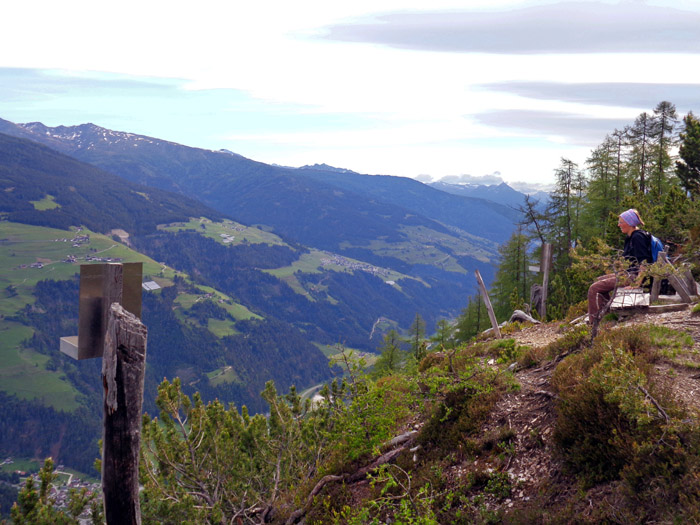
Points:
(519, 315)
(487, 302)
(123, 367)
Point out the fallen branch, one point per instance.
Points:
(381, 460)
(299, 513)
(545, 393)
(401, 439)
(654, 401)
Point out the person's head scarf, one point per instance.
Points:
(631, 217)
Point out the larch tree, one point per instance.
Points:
(664, 133)
(601, 192)
(417, 338)
(444, 332)
(563, 207)
(391, 354)
(688, 165)
(620, 141)
(510, 288)
(473, 320)
(640, 137)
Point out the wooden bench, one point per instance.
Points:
(633, 300)
(628, 301)
(682, 281)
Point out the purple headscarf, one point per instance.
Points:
(630, 217)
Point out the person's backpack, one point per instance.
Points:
(656, 246)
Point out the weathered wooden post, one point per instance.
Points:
(655, 289)
(546, 261)
(487, 301)
(109, 327)
(123, 367)
(679, 284)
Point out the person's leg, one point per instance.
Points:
(599, 295)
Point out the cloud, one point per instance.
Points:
(486, 180)
(570, 27)
(572, 128)
(28, 83)
(619, 94)
(531, 188)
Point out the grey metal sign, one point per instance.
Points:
(100, 286)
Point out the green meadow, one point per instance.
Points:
(225, 374)
(219, 327)
(21, 464)
(225, 232)
(425, 246)
(47, 203)
(317, 261)
(23, 370)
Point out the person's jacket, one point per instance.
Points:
(637, 249)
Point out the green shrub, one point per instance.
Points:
(504, 350)
(615, 422)
(466, 395)
(499, 485)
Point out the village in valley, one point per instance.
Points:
(339, 260)
(61, 489)
(78, 241)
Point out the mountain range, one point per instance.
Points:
(501, 193)
(261, 267)
(303, 203)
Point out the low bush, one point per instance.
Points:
(616, 422)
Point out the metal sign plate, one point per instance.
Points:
(92, 311)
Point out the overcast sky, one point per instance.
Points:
(400, 87)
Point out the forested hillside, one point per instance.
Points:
(46, 188)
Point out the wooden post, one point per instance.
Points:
(678, 284)
(655, 289)
(690, 283)
(123, 367)
(546, 259)
(487, 302)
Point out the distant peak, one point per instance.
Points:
(325, 167)
(229, 152)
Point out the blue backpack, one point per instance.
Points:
(656, 246)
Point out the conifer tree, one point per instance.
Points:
(619, 139)
(664, 130)
(473, 320)
(688, 167)
(38, 507)
(534, 220)
(443, 334)
(417, 338)
(602, 190)
(640, 137)
(391, 354)
(512, 282)
(563, 213)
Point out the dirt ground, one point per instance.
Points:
(530, 412)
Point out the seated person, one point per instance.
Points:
(637, 250)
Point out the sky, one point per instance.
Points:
(471, 90)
